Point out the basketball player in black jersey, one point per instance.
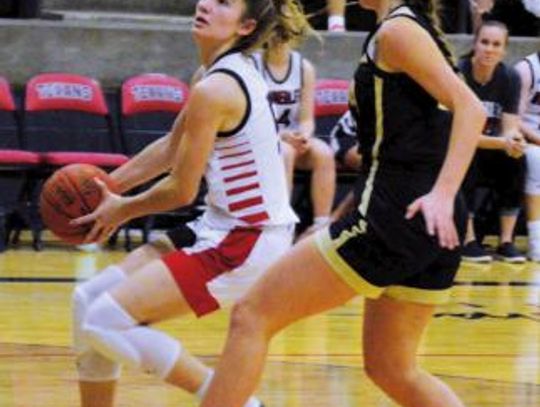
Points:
(400, 247)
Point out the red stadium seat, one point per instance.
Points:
(331, 101)
(150, 104)
(67, 113)
(67, 120)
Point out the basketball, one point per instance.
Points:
(69, 193)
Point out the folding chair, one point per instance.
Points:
(67, 120)
(149, 105)
(331, 102)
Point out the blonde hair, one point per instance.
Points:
(278, 22)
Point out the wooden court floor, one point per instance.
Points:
(485, 343)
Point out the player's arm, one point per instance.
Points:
(216, 104)
(211, 103)
(307, 101)
(155, 159)
(404, 46)
(513, 139)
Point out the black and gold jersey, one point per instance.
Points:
(403, 126)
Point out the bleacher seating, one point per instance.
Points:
(149, 105)
(67, 120)
(331, 102)
(15, 166)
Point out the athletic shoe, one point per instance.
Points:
(507, 252)
(474, 252)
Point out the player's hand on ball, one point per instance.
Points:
(107, 217)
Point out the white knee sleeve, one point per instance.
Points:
(103, 281)
(79, 304)
(252, 402)
(94, 367)
(110, 330)
(532, 177)
(85, 293)
(158, 352)
(534, 240)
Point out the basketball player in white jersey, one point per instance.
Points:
(291, 79)
(529, 71)
(227, 134)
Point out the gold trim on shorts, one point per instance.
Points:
(419, 295)
(327, 248)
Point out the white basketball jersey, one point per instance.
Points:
(284, 95)
(531, 115)
(245, 173)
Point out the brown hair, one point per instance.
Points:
(492, 23)
(278, 21)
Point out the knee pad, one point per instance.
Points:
(85, 293)
(111, 331)
(79, 303)
(102, 328)
(158, 352)
(94, 367)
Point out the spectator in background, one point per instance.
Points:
(291, 81)
(344, 142)
(355, 18)
(520, 16)
(529, 72)
(499, 162)
(336, 15)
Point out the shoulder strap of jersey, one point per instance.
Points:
(428, 26)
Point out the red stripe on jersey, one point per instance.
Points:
(241, 176)
(240, 154)
(239, 190)
(246, 203)
(255, 218)
(192, 272)
(221, 148)
(242, 164)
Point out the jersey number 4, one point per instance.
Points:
(285, 119)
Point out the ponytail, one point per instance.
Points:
(292, 26)
(264, 13)
(278, 21)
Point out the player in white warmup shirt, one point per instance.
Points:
(529, 71)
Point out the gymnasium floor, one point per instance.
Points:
(485, 343)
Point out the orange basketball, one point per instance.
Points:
(69, 193)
